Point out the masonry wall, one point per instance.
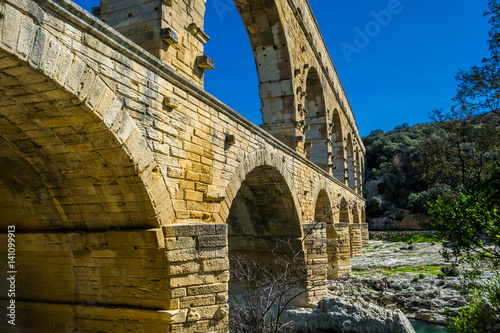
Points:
(134, 169)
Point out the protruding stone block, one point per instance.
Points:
(230, 139)
(169, 36)
(214, 196)
(205, 62)
(96, 11)
(171, 102)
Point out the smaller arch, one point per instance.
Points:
(264, 234)
(357, 179)
(355, 233)
(323, 211)
(337, 146)
(355, 214)
(260, 157)
(316, 143)
(361, 172)
(343, 211)
(350, 165)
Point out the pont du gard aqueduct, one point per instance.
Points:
(125, 187)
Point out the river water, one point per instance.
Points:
(424, 327)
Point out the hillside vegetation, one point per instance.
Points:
(413, 165)
(392, 178)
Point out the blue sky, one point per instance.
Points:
(397, 74)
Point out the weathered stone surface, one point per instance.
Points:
(337, 315)
(126, 199)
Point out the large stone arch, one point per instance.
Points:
(355, 233)
(264, 23)
(87, 152)
(344, 211)
(316, 145)
(85, 189)
(360, 169)
(323, 207)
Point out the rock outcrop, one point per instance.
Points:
(340, 315)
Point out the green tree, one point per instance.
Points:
(467, 141)
(470, 224)
(464, 154)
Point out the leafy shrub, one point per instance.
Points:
(450, 271)
(375, 207)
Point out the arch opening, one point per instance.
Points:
(265, 238)
(355, 214)
(344, 211)
(337, 142)
(323, 210)
(316, 143)
(68, 186)
(262, 23)
(350, 171)
(360, 168)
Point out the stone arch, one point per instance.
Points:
(261, 157)
(266, 205)
(355, 233)
(363, 215)
(316, 142)
(337, 142)
(323, 210)
(355, 214)
(82, 181)
(343, 211)
(350, 163)
(264, 230)
(360, 169)
(86, 151)
(265, 29)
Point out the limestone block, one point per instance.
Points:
(196, 301)
(213, 288)
(36, 53)
(171, 102)
(205, 62)
(207, 241)
(184, 267)
(215, 265)
(214, 196)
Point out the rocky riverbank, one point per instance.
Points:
(392, 282)
(402, 276)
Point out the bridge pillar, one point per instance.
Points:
(355, 233)
(316, 259)
(339, 250)
(198, 270)
(365, 232)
